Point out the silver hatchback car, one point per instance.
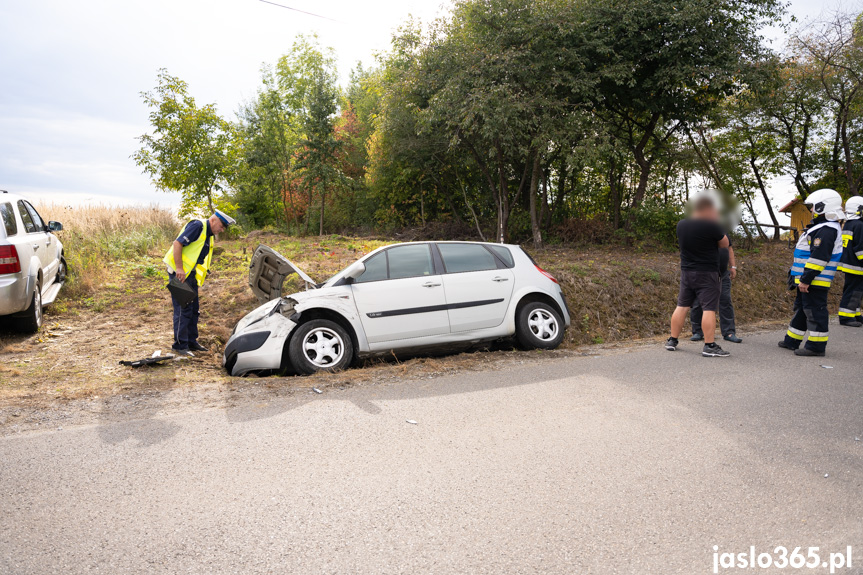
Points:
(32, 265)
(399, 298)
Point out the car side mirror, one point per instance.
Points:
(355, 270)
(55, 227)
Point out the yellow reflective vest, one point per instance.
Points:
(191, 253)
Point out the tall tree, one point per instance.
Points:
(661, 65)
(190, 148)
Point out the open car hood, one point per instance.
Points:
(268, 271)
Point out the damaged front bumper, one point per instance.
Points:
(258, 341)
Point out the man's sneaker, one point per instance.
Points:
(803, 352)
(197, 347)
(671, 344)
(784, 345)
(713, 350)
(850, 323)
(732, 337)
(697, 337)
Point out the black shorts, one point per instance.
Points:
(704, 286)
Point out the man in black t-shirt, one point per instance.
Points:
(700, 237)
(727, 324)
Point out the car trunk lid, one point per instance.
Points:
(268, 271)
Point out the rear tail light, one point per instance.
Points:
(9, 263)
(545, 273)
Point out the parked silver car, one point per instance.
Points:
(32, 264)
(400, 298)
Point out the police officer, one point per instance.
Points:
(852, 263)
(189, 260)
(816, 258)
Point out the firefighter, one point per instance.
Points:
(816, 258)
(852, 264)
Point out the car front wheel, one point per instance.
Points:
(539, 326)
(320, 345)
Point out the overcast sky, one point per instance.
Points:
(71, 74)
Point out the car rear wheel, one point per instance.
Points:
(539, 326)
(62, 271)
(320, 345)
(31, 320)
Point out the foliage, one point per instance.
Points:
(524, 119)
(189, 150)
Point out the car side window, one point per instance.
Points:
(459, 258)
(29, 226)
(9, 221)
(410, 261)
(376, 269)
(504, 254)
(34, 215)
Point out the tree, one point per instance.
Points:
(661, 65)
(834, 49)
(318, 155)
(190, 148)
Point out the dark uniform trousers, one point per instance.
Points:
(810, 314)
(186, 318)
(852, 293)
(726, 310)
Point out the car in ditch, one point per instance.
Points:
(404, 298)
(32, 263)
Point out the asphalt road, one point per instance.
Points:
(636, 461)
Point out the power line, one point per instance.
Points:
(297, 10)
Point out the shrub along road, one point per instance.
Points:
(632, 461)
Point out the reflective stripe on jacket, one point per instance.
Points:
(817, 254)
(191, 253)
(852, 252)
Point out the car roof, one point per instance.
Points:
(445, 242)
(6, 196)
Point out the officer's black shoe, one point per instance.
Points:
(697, 337)
(732, 337)
(804, 352)
(850, 322)
(671, 344)
(784, 345)
(197, 347)
(713, 350)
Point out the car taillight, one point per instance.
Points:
(9, 263)
(545, 273)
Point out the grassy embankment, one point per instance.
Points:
(115, 305)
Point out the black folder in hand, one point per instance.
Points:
(182, 292)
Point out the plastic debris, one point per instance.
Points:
(157, 353)
(411, 421)
(827, 366)
(316, 390)
(856, 439)
(826, 475)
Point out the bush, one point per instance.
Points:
(657, 221)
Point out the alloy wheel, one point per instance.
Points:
(323, 347)
(543, 325)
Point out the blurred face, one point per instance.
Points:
(216, 225)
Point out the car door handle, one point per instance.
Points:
(430, 284)
(499, 279)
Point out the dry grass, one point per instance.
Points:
(96, 236)
(121, 310)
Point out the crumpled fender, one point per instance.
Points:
(337, 299)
